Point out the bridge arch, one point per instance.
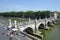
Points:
(53, 21)
(29, 30)
(41, 26)
(48, 23)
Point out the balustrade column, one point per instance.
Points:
(10, 25)
(15, 24)
(45, 22)
(39, 18)
(29, 20)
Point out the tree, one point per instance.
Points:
(27, 14)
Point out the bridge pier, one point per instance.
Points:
(46, 27)
(35, 25)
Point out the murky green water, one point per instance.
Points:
(53, 34)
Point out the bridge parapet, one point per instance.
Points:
(31, 24)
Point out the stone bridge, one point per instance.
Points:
(37, 24)
(34, 25)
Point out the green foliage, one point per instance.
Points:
(27, 14)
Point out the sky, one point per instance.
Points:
(29, 5)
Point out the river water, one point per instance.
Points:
(54, 34)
